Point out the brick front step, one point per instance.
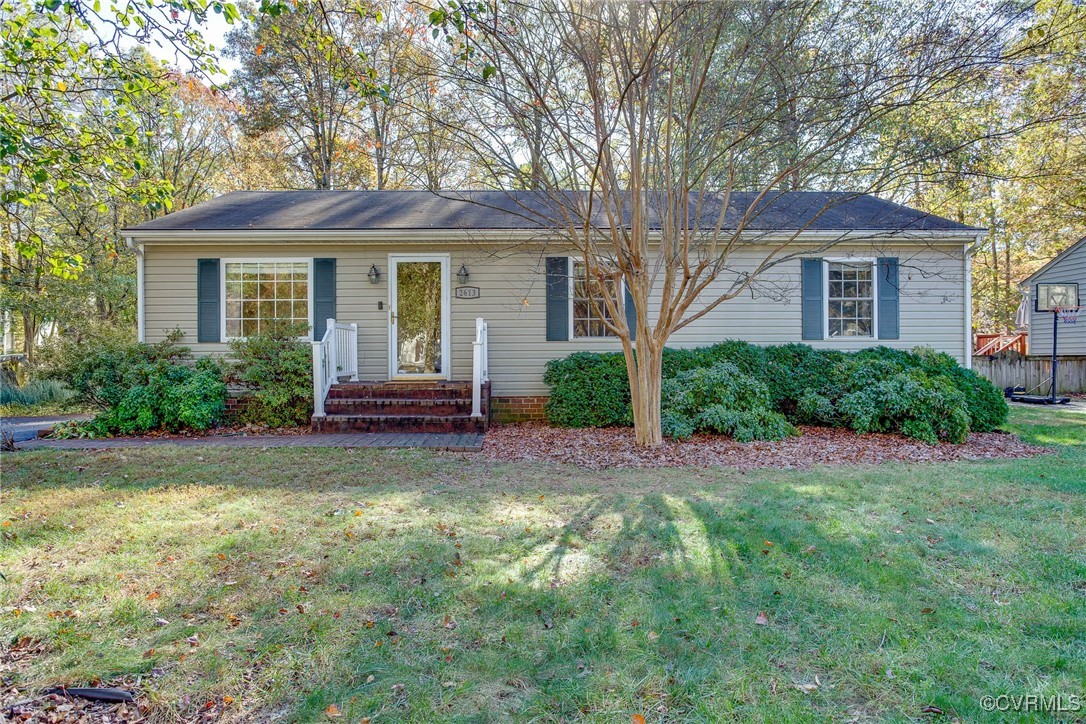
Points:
(402, 391)
(398, 423)
(397, 406)
(415, 407)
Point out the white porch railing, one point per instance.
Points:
(479, 372)
(334, 356)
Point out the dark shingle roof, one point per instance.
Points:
(496, 210)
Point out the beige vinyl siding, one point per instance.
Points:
(512, 300)
(1071, 337)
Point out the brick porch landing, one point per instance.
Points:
(452, 442)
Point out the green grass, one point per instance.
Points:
(539, 592)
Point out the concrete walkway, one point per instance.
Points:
(453, 442)
(27, 428)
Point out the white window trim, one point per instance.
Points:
(255, 260)
(874, 262)
(570, 261)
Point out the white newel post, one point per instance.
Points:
(479, 373)
(318, 381)
(354, 352)
(333, 358)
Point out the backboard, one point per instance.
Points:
(1048, 296)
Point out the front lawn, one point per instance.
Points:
(305, 584)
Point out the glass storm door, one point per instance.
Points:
(419, 316)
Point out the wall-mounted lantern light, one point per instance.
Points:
(375, 274)
(462, 275)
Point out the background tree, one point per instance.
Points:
(294, 80)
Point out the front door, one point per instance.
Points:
(419, 316)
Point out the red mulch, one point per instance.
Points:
(614, 447)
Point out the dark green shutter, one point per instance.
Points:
(889, 299)
(324, 295)
(631, 313)
(811, 293)
(208, 301)
(557, 299)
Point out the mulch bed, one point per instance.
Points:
(596, 449)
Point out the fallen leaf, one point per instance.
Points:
(927, 610)
(638, 719)
(332, 711)
(761, 619)
(152, 595)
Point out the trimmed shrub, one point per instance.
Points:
(913, 403)
(588, 390)
(277, 366)
(720, 399)
(875, 389)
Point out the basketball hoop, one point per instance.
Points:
(1068, 315)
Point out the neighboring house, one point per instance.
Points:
(1066, 275)
(414, 270)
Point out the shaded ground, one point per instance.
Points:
(414, 585)
(598, 449)
(455, 442)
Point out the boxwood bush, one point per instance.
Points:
(920, 393)
(588, 390)
(723, 400)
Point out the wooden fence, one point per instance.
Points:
(1010, 369)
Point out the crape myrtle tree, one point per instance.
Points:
(638, 124)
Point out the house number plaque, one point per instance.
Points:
(467, 292)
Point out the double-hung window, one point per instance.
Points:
(258, 293)
(850, 298)
(588, 318)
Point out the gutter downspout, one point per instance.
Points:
(141, 321)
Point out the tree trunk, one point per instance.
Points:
(645, 373)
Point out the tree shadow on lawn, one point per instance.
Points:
(530, 591)
(564, 607)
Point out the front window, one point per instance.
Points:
(850, 299)
(587, 317)
(259, 293)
